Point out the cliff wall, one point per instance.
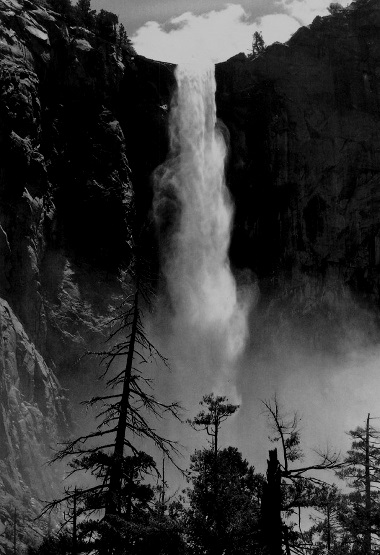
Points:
(78, 121)
(83, 126)
(304, 168)
(305, 152)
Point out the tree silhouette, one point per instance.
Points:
(123, 42)
(85, 14)
(361, 471)
(65, 8)
(258, 44)
(327, 535)
(288, 488)
(106, 25)
(335, 8)
(238, 504)
(210, 420)
(109, 452)
(216, 411)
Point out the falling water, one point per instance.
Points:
(193, 211)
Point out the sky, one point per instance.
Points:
(176, 30)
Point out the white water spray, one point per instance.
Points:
(193, 206)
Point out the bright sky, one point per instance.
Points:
(178, 30)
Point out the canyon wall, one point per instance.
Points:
(76, 114)
(82, 127)
(304, 165)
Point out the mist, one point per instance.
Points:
(321, 360)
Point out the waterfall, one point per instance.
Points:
(193, 212)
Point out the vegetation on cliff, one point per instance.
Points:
(104, 24)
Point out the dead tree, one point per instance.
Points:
(124, 412)
(287, 487)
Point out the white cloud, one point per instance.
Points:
(216, 35)
(276, 27)
(219, 34)
(305, 11)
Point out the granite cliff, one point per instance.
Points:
(82, 127)
(304, 165)
(75, 115)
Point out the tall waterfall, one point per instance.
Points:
(193, 211)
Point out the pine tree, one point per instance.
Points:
(106, 25)
(65, 8)
(109, 453)
(85, 14)
(258, 44)
(238, 502)
(287, 488)
(362, 473)
(124, 43)
(327, 535)
(216, 411)
(210, 420)
(335, 8)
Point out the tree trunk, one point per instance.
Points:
(163, 485)
(328, 528)
(286, 541)
(74, 544)
(116, 474)
(15, 532)
(271, 522)
(367, 533)
(216, 440)
(218, 543)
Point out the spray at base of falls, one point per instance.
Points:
(193, 212)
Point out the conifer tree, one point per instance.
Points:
(106, 25)
(335, 8)
(258, 44)
(216, 411)
(123, 42)
(288, 488)
(328, 534)
(85, 14)
(361, 471)
(65, 8)
(238, 503)
(109, 453)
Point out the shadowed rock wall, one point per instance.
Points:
(78, 120)
(304, 167)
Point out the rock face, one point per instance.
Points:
(33, 414)
(81, 129)
(304, 163)
(75, 117)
